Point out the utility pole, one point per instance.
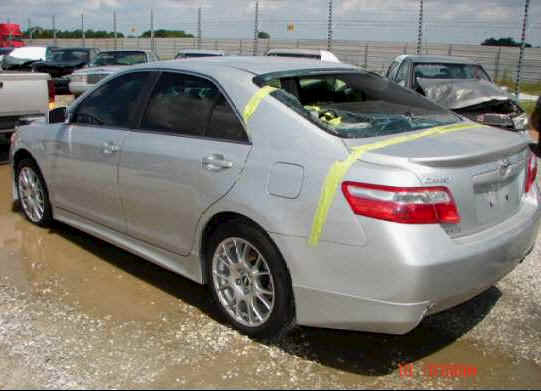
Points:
(83, 28)
(522, 46)
(256, 27)
(152, 30)
(114, 29)
(420, 32)
(199, 28)
(54, 31)
(30, 30)
(329, 31)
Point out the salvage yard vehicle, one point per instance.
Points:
(462, 86)
(21, 59)
(302, 193)
(321, 55)
(196, 53)
(24, 96)
(61, 62)
(106, 63)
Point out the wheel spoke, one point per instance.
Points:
(220, 275)
(265, 302)
(226, 253)
(262, 290)
(255, 310)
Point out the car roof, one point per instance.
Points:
(439, 59)
(125, 50)
(202, 51)
(297, 51)
(256, 65)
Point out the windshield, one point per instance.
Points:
(450, 71)
(67, 55)
(354, 104)
(120, 58)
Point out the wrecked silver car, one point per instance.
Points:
(459, 85)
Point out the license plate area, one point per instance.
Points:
(497, 195)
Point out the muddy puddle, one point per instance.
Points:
(136, 298)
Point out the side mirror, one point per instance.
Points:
(57, 115)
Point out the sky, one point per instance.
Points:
(455, 21)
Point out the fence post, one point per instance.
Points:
(497, 64)
(298, 44)
(450, 51)
(366, 56)
(268, 44)
(240, 47)
(405, 50)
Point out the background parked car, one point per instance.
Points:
(194, 53)
(60, 63)
(21, 59)
(3, 52)
(106, 63)
(24, 96)
(460, 85)
(321, 55)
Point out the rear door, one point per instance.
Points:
(188, 152)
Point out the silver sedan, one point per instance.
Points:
(300, 192)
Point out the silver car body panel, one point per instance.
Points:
(365, 274)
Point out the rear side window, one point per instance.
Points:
(113, 103)
(193, 106)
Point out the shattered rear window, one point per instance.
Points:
(355, 104)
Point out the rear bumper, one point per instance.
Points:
(391, 287)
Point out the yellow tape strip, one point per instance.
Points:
(339, 169)
(255, 100)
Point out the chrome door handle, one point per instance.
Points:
(110, 148)
(216, 162)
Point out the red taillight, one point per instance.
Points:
(407, 205)
(531, 172)
(52, 93)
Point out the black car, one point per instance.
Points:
(61, 62)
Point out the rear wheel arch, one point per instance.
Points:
(212, 225)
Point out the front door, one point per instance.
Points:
(87, 151)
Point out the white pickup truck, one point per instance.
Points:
(23, 97)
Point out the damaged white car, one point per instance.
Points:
(462, 86)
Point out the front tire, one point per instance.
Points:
(250, 281)
(32, 192)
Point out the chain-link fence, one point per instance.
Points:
(500, 62)
(376, 23)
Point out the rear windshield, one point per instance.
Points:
(67, 55)
(450, 71)
(355, 104)
(120, 58)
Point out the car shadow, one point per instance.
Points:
(366, 354)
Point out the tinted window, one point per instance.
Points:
(120, 58)
(180, 104)
(224, 123)
(112, 104)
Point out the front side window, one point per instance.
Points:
(113, 103)
(355, 104)
(193, 106)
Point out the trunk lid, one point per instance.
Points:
(485, 169)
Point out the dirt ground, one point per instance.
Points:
(76, 312)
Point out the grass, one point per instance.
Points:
(532, 88)
(528, 106)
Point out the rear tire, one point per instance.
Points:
(249, 281)
(33, 194)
